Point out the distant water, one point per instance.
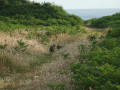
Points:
(87, 14)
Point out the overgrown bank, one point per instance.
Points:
(99, 66)
(25, 13)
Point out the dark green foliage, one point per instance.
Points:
(107, 21)
(99, 67)
(13, 2)
(31, 13)
(82, 48)
(110, 43)
(96, 77)
(93, 36)
(94, 45)
(3, 46)
(114, 33)
(55, 86)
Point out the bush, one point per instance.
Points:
(114, 33)
(31, 13)
(56, 86)
(110, 43)
(93, 36)
(101, 68)
(96, 77)
(106, 21)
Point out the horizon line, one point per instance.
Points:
(91, 8)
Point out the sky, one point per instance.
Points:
(84, 4)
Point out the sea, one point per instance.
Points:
(87, 14)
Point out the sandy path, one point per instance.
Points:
(100, 31)
(56, 71)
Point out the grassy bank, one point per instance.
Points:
(99, 65)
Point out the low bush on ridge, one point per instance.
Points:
(106, 21)
(31, 14)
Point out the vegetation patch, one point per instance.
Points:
(103, 22)
(24, 12)
(56, 86)
(8, 66)
(40, 60)
(99, 66)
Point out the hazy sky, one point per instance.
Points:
(84, 4)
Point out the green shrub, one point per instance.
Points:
(110, 43)
(44, 39)
(106, 21)
(94, 45)
(99, 67)
(55, 86)
(31, 13)
(22, 46)
(114, 33)
(65, 55)
(96, 77)
(93, 36)
(82, 49)
(31, 35)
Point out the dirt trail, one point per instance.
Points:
(100, 31)
(56, 71)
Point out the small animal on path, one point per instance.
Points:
(52, 48)
(59, 47)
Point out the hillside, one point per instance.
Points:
(27, 13)
(103, 22)
(27, 30)
(89, 57)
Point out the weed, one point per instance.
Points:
(3, 46)
(94, 45)
(55, 86)
(65, 55)
(44, 39)
(30, 35)
(21, 46)
(82, 48)
(93, 36)
(101, 37)
(40, 60)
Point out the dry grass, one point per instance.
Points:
(34, 47)
(106, 30)
(56, 71)
(101, 31)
